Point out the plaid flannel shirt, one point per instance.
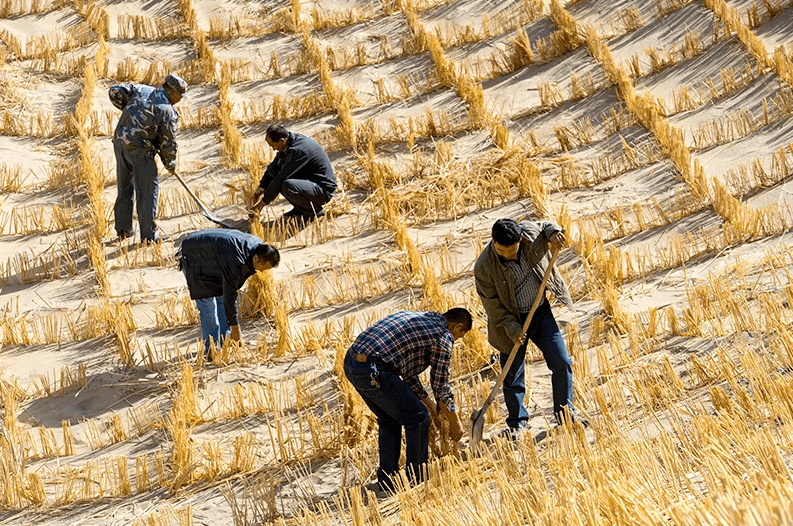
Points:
(409, 342)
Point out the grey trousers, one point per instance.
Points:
(136, 176)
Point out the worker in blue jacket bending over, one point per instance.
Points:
(216, 264)
(301, 172)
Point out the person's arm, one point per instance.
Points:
(415, 385)
(440, 361)
(548, 228)
(551, 237)
(231, 275)
(166, 140)
(291, 164)
(269, 174)
(494, 308)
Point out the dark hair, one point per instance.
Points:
(506, 232)
(459, 315)
(276, 132)
(267, 253)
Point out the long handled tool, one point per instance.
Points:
(478, 416)
(209, 214)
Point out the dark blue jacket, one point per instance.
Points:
(303, 158)
(217, 262)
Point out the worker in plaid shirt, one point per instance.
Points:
(384, 363)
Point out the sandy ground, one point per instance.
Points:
(270, 432)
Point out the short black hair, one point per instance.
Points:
(506, 232)
(459, 315)
(276, 132)
(267, 253)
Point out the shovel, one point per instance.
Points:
(209, 214)
(478, 416)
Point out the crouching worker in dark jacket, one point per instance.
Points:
(216, 264)
(300, 171)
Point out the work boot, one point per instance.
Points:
(159, 237)
(378, 490)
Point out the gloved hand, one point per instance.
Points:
(455, 426)
(430, 405)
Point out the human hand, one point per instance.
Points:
(455, 426)
(432, 409)
(520, 339)
(256, 208)
(235, 333)
(558, 241)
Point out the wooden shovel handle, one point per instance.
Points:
(506, 366)
(190, 192)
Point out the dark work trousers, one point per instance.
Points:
(136, 175)
(308, 198)
(545, 334)
(395, 407)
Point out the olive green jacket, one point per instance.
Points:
(495, 283)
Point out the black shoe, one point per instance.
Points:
(124, 234)
(306, 217)
(158, 238)
(378, 490)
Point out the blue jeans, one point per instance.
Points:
(213, 321)
(545, 334)
(136, 176)
(308, 198)
(395, 407)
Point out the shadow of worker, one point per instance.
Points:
(103, 396)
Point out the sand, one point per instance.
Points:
(60, 345)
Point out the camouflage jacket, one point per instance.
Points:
(147, 123)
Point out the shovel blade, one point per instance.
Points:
(218, 220)
(477, 428)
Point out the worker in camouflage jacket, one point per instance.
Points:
(146, 128)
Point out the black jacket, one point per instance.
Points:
(217, 262)
(303, 158)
